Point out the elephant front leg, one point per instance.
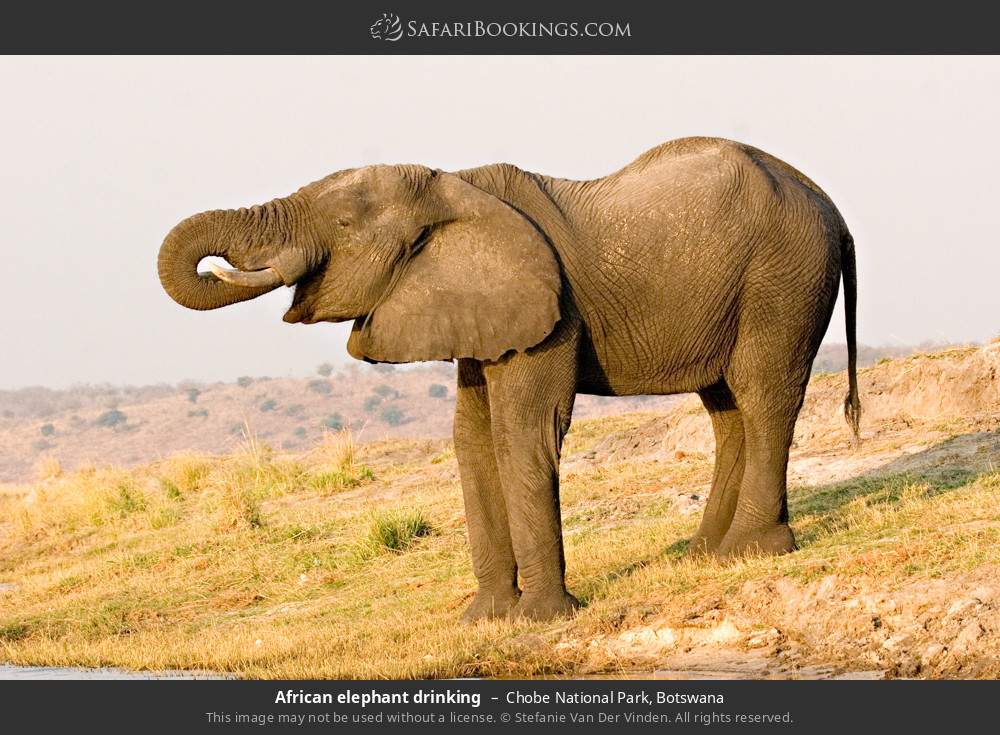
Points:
(485, 512)
(532, 493)
(531, 402)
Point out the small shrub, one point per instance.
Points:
(236, 429)
(121, 500)
(371, 403)
(40, 445)
(296, 409)
(334, 422)
(436, 390)
(295, 532)
(48, 468)
(126, 499)
(392, 415)
(269, 405)
(183, 474)
(170, 489)
(244, 381)
(258, 452)
(386, 391)
(199, 412)
(240, 504)
(320, 386)
(300, 432)
(163, 517)
(339, 450)
(15, 631)
(990, 480)
(342, 479)
(384, 368)
(245, 486)
(111, 419)
(47, 430)
(324, 369)
(192, 394)
(392, 531)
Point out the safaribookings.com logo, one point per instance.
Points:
(387, 28)
(390, 28)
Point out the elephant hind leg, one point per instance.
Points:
(760, 522)
(730, 455)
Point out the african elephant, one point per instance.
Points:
(703, 266)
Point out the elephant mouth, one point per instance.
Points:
(302, 310)
(305, 307)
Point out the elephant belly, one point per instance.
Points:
(659, 355)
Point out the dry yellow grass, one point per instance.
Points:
(352, 561)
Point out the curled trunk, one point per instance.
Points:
(259, 235)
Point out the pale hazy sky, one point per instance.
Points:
(99, 157)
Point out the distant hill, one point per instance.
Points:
(127, 425)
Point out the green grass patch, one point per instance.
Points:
(392, 531)
(334, 480)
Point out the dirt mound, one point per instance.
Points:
(935, 628)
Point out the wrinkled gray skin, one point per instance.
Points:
(705, 265)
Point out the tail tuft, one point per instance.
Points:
(852, 412)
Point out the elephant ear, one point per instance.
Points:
(484, 282)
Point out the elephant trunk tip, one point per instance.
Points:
(183, 249)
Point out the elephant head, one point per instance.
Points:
(429, 266)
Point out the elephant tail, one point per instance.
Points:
(852, 404)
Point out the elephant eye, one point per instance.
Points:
(343, 222)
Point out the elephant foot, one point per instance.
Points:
(762, 541)
(545, 605)
(703, 545)
(491, 604)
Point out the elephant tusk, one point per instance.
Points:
(250, 279)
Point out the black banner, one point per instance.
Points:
(512, 27)
(111, 707)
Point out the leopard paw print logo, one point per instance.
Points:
(387, 28)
